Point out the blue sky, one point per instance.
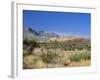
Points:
(61, 22)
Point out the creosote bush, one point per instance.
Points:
(49, 56)
(85, 55)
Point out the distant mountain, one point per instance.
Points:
(43, 36)
(69, 38)
(33, 31)
(48, 34)
(30, 34)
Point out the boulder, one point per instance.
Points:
(37, 51)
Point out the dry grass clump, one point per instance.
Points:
(31, 62)
(53, 65)
(80, 63)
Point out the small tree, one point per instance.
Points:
(30, 45)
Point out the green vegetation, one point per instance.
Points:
(28, 46)
(84, 55)
(67, 45)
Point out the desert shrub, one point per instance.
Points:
(56, 57)
(47, 57)
(29, 45)
(85, 55)
(75, 57)
(25, 52)
(68, 45)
